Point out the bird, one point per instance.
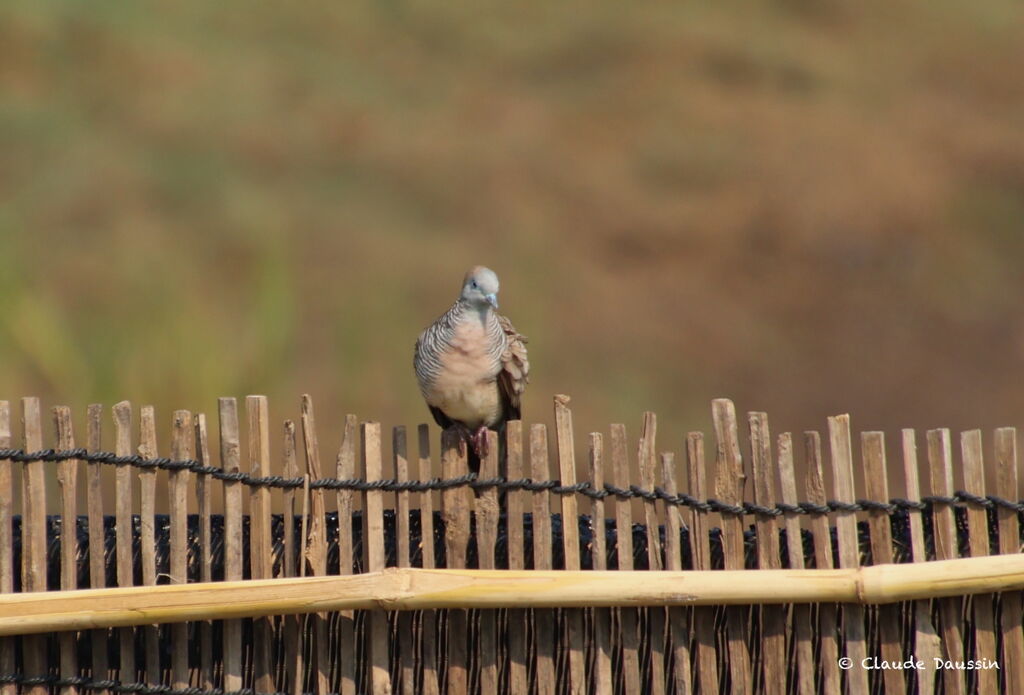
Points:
(471, 364)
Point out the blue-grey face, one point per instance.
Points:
(481, 287)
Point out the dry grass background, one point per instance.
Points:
(808, 207)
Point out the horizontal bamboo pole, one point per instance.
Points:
(418, 589)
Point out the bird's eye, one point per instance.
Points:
(473, 284)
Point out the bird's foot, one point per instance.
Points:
(479, 440)
(465, 437)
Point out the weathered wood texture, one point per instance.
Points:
(956, 595)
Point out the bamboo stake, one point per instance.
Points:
(603, 684)
(987, 680)
(729, 488)
(294, 635)
(848, 545)
(428, 646)
(97, 536)
(406, 621)
(570, 540)
(518, 677)
(147, 533)
(202, 449)
(700, 545)
(803, 633)
(259, 534)
(926, 640)
(940, 461)
(1011, 613)
(678, 617)
(315, 544)
(346, 470)
(33, 532)
(487, 513)
(400, 464)
(6, 542)
(182, 439)
(230, 461)
(773, 620)
(646, 455)
(823, 559)
(418, 589)
(376, 558)
(876, 480)
(544, 620)
(67, 475)
(123, 528)
(455, 516)
(628, 618)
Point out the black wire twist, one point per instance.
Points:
(520, 484)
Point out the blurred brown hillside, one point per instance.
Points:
(809, 207)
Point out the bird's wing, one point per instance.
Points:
(443, 421)
(515, 370)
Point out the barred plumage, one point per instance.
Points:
(471, 363)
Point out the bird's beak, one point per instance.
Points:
(492, 299)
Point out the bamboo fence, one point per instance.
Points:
(628, 569)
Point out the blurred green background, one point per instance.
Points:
(809, 207)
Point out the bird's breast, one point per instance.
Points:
(466, 388)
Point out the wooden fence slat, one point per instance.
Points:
(290, 469)
(729, 485)
(628, 618)
(400, 463)
(487, 513)
(230, 462)
(182, 439)
(406, 620)
(518, 676)
(823, 559)
(97, 545)
(294, 635)
(773, 620)
(700, 549)
(455, 506)
(987, 679)
(428, 646)
(123, 528)
(376, 555)
(848, 546)
(803, 634)
(33, 533)
(573, 618)
(940, 462)
(678, 616)
(315, 544)
(147, 534)
(1011, 608)
(544, 619)
(7, 653)
(876, 483)
(346, 470)
(260, 550)
(205, 503)
(67, 478)
(646, 460)
(926, 639)
(603, 683)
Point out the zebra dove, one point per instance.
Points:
(471, 364)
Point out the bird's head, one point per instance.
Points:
(480, 288)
